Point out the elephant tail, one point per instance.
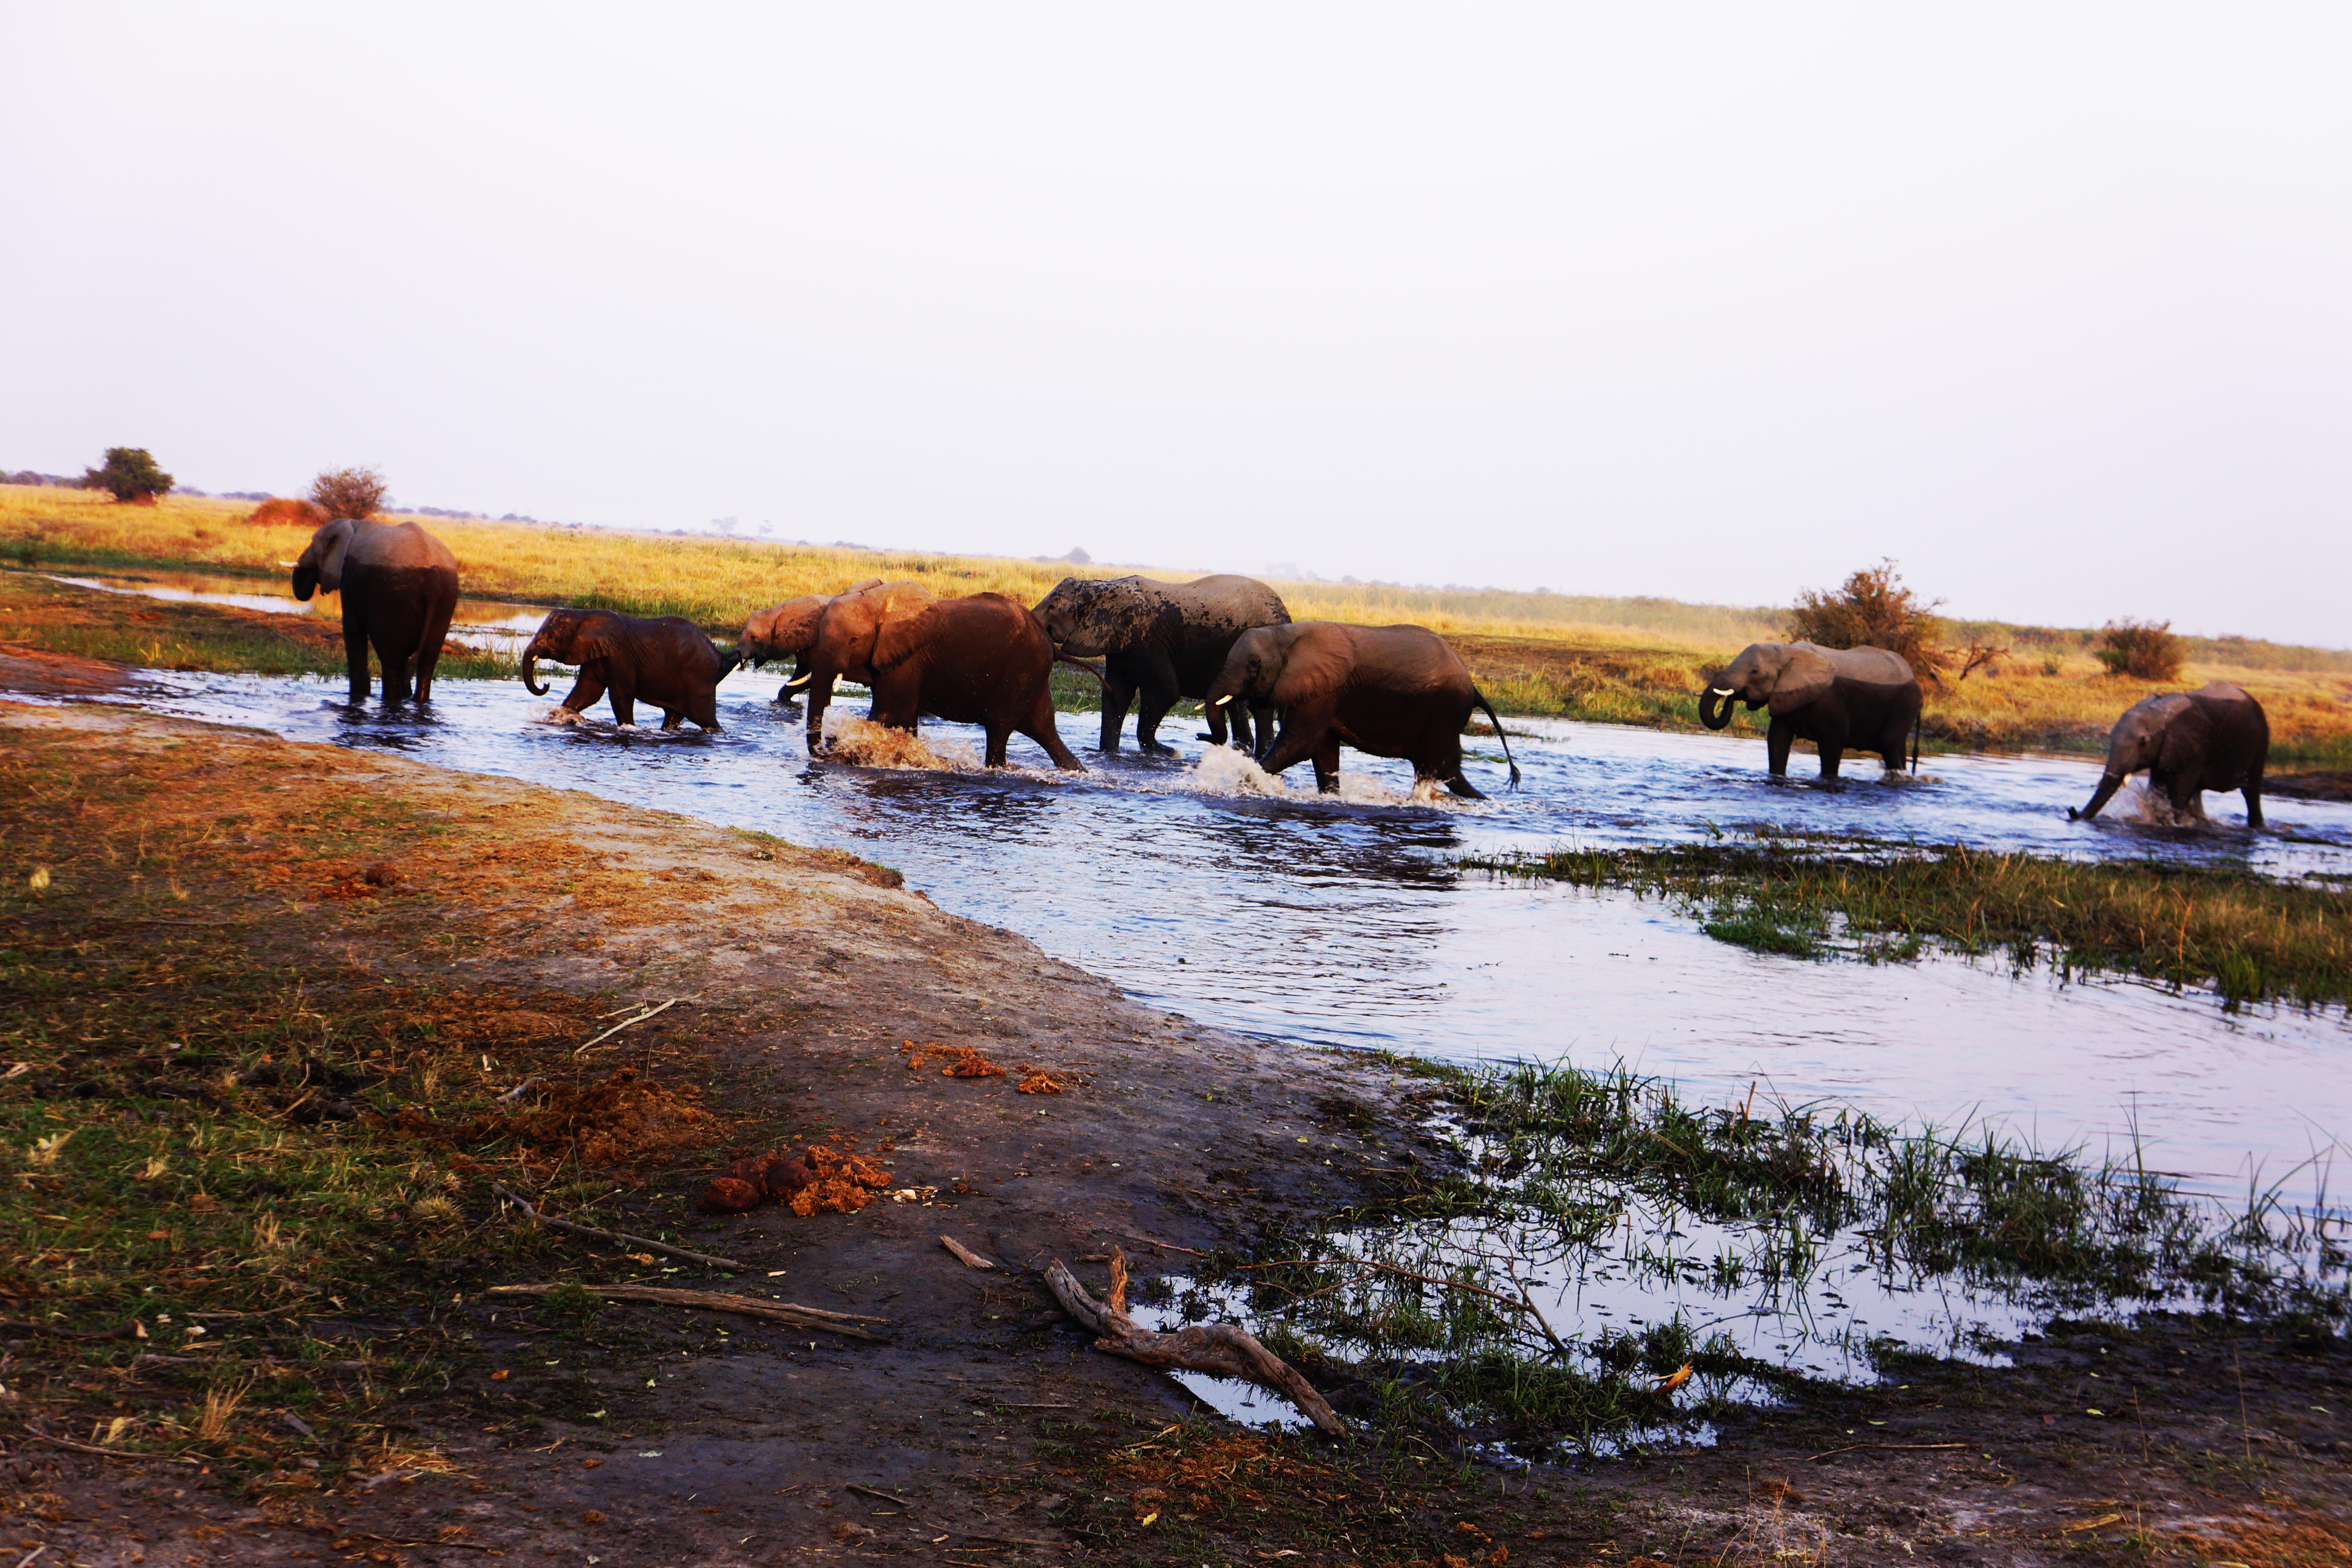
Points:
(1088, 664)
(1480, 698)
(1917, 719)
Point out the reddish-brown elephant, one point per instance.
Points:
(835, 639)
(790, 629)
(1394, 691)
(982, 660)
(669, 662)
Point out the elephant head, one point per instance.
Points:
(1786, 675)
(782, 630)
(566, 636)
(1268, 667)
(1086, 616)
(848, 628)
(321, 564)
(2166, 731)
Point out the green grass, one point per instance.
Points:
(2248, 937)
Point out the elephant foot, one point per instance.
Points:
(1154, 749)
(1464, 788)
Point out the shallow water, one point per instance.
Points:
(489, 622)
(1347, 923)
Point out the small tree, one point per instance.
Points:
(129, 474)
(2145, 650)
(1873, 609)
(349, 493)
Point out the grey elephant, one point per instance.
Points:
(399, 586)
(2216, 737)
(1866, 698)
(1161, 641)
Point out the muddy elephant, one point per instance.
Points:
(1394, 691)
(833, 639)
(399, 588)
(1161, 641)
(2216, 737)
(667, 662)
(787, 630)
(981, 659)
(1865, 698)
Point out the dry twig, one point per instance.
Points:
(620, 1237)
(965, 1255)
(853, 1324)
(1225, 1349)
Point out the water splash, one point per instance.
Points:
(863, 743)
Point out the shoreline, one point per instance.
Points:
(480, 927)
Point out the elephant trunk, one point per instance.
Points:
(1715, 706)
(2109, 782)
(531, 671)
(306, 582)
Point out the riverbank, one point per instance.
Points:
(265, 1001)
(1608, 660)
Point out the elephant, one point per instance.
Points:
(399, 588)
(2216, 737)
(981, 659)
(787, 630)
(1394, 691)
(1866, 697)
(832, 636)
(1163, 640)
(669, 662)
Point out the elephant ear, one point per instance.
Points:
(326, 553)
(1308, 669)
(794, 626)
(2186, 737)
(590, 647)
(899, 637)
(1806, 675)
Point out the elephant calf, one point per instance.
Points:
(667, 661)
(1865, 697)
(2216, 737)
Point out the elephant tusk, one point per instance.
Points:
(800, 682)
(1723, 691)
(1218, 701)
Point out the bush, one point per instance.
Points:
(1873, 609)
(2145, 650)
(129, 474)
(349, 493)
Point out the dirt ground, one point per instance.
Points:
(981, 1427)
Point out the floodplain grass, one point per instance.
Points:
(1634, 660)
(1441, 1307)
(2249, 937)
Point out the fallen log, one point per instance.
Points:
(852, 1324)
(1223, 1349)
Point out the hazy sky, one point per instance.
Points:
(2050, 303)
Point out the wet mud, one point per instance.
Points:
(813, 1002)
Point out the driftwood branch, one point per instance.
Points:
(626, 1022)
(518, 1090)
(1225, 1349)
(965, 1255)
(855, 1325)
(620, 1237)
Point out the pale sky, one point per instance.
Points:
(2050, 303)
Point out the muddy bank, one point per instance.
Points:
(353, 954)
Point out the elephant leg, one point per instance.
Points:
(396, 662)
(1041, 729)
(1777, 741)
(355, 652)
(1327, 764)
(997, 735)
(1464, 788)
(704, 711)
(2253, 794)
(438, 615)
(585, 691)
(672, 717)
(1160, 692)
(1832, 756)
(2187, 800)
(1117, 693)
(625, 704)
(1261, 718)
(1293, 746)
(820, 697)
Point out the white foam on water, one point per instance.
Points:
(1225, 771)
(863, 743)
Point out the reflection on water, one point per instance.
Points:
(1345, 924)
(492, 621)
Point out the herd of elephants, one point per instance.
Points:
(1295, 690)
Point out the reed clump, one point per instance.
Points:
(2249, 937)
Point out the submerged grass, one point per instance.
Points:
(1607, 661)
(2249, 937)
(1462, 1306)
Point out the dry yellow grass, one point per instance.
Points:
(1637, 661)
